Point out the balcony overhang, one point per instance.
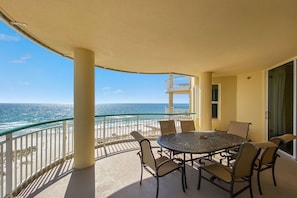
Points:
(185, 37)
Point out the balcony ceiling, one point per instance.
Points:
(152, 36)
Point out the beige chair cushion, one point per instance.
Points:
(166, 167)
(239, 128)
(220, 171)
(167, 127)
(187, 125)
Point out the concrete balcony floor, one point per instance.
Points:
(118, 176)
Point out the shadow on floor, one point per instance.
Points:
(81, 183)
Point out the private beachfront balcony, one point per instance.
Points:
(30, 151)
(37, 161)
(117, 176)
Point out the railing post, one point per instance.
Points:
(64, 139)
(9, 165)
(104, 131)
(137, 122)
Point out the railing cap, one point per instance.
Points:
(8, 131)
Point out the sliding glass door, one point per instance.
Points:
(281, 102)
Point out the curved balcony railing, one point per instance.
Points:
(29, 151)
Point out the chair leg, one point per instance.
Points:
(231, 189)
(250, 185)
(273, 176)
(184, 170)
(259, 183)
(141, 174)
(157, 186)
(199, 179)
(183, 179)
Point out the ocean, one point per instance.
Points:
(16, 115)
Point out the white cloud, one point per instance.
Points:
(21, 60)
(110, 90)
(5, 37)
(106, 90)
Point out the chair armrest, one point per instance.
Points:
(156, 147)
(287, 138)
(169, 161)
(266, 144)
(139, 153)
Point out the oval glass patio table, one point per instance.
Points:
(199, 142)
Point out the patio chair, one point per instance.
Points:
(286, 138)
(267, 159)
(236, 128)
(187, 125)
(239, 128)
(241, 171)
(167, 127)
(158, 167)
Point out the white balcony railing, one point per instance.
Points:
(177, 110)
(29, 151)
(179, 83)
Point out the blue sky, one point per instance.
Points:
(30, 73)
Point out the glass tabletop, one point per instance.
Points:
(199, 142)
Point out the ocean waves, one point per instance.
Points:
(17, 115)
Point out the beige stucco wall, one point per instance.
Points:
(242, 98)
(227, 97)
(251, 103)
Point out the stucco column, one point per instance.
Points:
(195, 100)
(170, 94)
(193, 94)
(205, 112)
(84, 108)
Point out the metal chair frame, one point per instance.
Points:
(154, 168)
(267, 161)
(233, 172)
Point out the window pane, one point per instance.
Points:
(214, 110)
(215, 92)
(281, 102)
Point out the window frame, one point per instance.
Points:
(216, 102)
